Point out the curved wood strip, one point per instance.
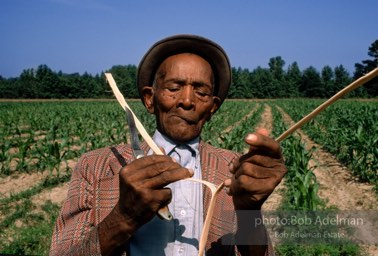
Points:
(147, 138)
(214, 190)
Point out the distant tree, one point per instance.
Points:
(327, 79)
(262, 81)
(311, 84)
(241, 86)
(368, 65)
(88, 87)
(342, 78)
(8, 88)
(125, 77)
(101, 86)
(276, 65)
(294, 80)
(278, 85)
(73, 85)
(27, 85)
(48, 83)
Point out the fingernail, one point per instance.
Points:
(231, 167)
(251, 137)
(191, 172)
(174, 160)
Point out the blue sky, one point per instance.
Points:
(93, 35)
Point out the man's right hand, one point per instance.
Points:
(142, 193)
(142, 186)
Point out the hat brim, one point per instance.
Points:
(207, 49)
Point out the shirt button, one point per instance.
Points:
(181, 250)
(182, 212)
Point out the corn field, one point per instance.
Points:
(48, 137)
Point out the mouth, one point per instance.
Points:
(189, 120)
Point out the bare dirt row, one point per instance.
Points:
(337, 186)
(340, 189)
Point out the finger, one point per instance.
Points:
(163, 196)
(259, 143)
(255, 171)
(227, 184)
(167, 177)
(262, 142)
(150, 171)
(248, 161)
(233, 165)
(262, 131)
(251, 186)
(146, 163)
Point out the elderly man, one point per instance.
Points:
(113, 198)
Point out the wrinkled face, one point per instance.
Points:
(182, 96)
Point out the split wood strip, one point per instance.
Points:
(141, 128)
(138, 124)
(209, 215)
(357, 83)
(214, 190)
(164, 211)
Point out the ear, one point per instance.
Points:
(148, 98)
(216, 105)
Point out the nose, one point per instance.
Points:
(186, 100)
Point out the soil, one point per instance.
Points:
(275, 198)
(337, 186)
(18, 182)
(250, 113)
(56, 195)
(340, 189)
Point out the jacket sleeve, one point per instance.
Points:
(75, 231)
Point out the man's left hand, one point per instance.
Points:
(257, 173)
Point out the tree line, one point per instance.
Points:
(271, 82)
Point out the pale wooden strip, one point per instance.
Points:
(209, 215)
(147, 138)
(164, 211)
(156, 150)
(357, 83)
(141, 128)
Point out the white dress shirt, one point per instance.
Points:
(181, 235)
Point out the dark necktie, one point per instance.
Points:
(185, 156)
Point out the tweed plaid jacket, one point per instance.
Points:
(94, 191)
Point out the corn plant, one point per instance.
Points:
(302, 186)
(301, 200)
(348, 130)
(234, 140)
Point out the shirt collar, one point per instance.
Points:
(168, 145)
